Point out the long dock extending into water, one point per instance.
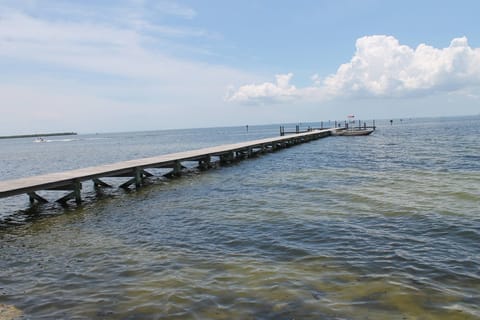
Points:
(39, 135)
(136, 170)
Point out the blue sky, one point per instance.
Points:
(101, 66)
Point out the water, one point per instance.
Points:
(379, 227)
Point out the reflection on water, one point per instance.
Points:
(338, 228)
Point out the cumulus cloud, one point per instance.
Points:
(382, 67)
(280, 90)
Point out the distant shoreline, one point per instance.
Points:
(39, 135)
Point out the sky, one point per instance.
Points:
(131, 65)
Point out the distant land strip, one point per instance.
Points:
(40, 135)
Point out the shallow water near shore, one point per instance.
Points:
(379, 227)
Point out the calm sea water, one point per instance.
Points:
(379, 227)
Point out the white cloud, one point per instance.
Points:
(105, 49)
(87, 46)
(280, 90)
(382, 67)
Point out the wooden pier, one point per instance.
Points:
(136, 170)
(38, 135)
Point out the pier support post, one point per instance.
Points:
(97, 183)
(205, 163)
(242, 154)
(77, 193)
(35, 197)
(146, 174)
(176, 170)
(76, 187)
(227, 157)
(138, 177)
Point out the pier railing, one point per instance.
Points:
(342, 125)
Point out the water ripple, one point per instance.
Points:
(383, 227)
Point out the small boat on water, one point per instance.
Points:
(353, 132)
(40, 139)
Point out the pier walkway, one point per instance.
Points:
(135, 170)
